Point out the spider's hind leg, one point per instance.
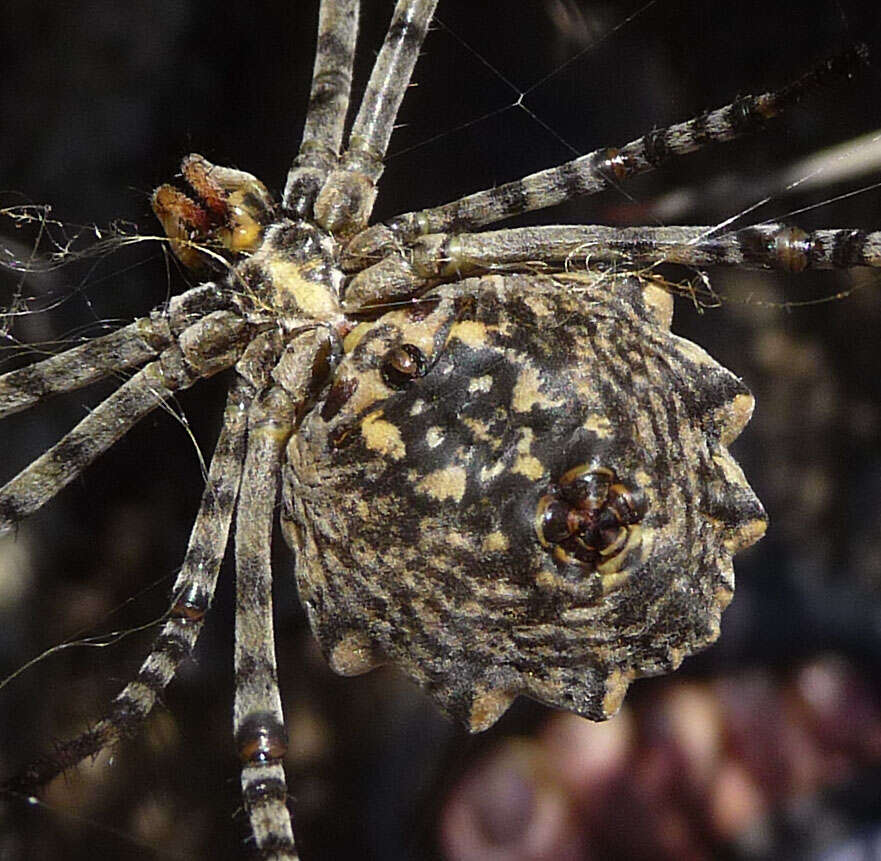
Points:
(193, 592)
(596, 171)
(443, 257)
(258, 720)
(98, 358)
(208, 346)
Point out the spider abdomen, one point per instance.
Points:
(518, 485)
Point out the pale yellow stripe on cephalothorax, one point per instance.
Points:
(643, 478)
(443, 484)
(382, 436)
(459, 540)
(746, 535)
(724, 592)
(312, 297)
(692, 352)
(730, 468)
(487, 706)
(660, 303)
(613, 582)
(354, 337)
(676, 655)
(580, 616)
(353, 655)
(617, 683)
(371, 390)
(421, 333)
(732, 418)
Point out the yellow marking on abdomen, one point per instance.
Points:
(470, 332)
(448, 483)
(382, 436)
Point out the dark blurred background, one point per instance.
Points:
(766, 746)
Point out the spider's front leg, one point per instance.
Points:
(227, 218)
(199, 333)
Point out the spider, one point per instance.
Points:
(397, 370)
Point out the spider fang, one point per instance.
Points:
(233, 208)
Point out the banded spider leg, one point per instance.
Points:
(397, 259)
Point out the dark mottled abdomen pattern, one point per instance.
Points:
(521, 485)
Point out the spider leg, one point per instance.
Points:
(127, 347)
(345, 202)
(80, 366)
(597, 170)
(193, 592)
(258, 720)
(208, 346)
(445, 256)
(328, 103)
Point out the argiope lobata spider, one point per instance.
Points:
(531, 256)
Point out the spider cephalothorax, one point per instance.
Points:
(499, 468)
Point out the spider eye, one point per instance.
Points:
(402, 365)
